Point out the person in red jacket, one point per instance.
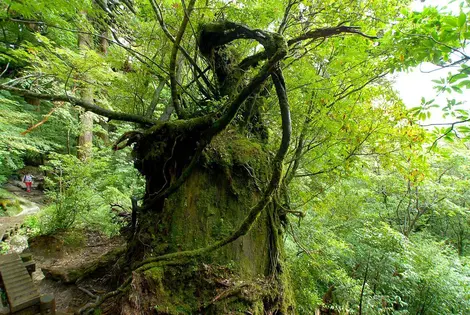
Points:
(28, 180)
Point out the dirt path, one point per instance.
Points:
(30, 203)
(72, 271)
(36, 196)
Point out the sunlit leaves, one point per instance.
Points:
(16, 116)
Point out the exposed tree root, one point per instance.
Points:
(88, 309)
(226, 294)
(124, 287)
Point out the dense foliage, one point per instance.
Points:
(84, 194)
(385, 243)
(373, 202)
(18, 145)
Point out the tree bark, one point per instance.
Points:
(245, 275)
(85, 139)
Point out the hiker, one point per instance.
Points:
(28, 180)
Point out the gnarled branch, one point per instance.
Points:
(312, 36)
(328, 32)
(274, 43)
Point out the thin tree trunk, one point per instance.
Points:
(155, 99)
(363, 286)
(85, 139)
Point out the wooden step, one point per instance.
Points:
(20, 289)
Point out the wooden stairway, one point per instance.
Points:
(22, 295)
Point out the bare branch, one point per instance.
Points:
(44, 120)
(345, 94)
(285, 19)
(155, 98)
(452, 124)
(6, 68)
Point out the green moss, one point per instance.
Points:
(9, 207)
(257, 308)
(288, 299)
(180, 127)
(230, 150)
(157, 150)
(209, 206)
(74, 239)
(222, 229)
(9, 204)
(216, 27)
(245, 151)
(167, 294)
(155, 275)
(215, 200)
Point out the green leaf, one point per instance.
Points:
(462, 19)
(457, 77)
(464, 83)
(451, 21)
(463, 129)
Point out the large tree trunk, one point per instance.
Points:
(243, 277)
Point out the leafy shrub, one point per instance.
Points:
(400, 276)
(82, 193)
(31, 225)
